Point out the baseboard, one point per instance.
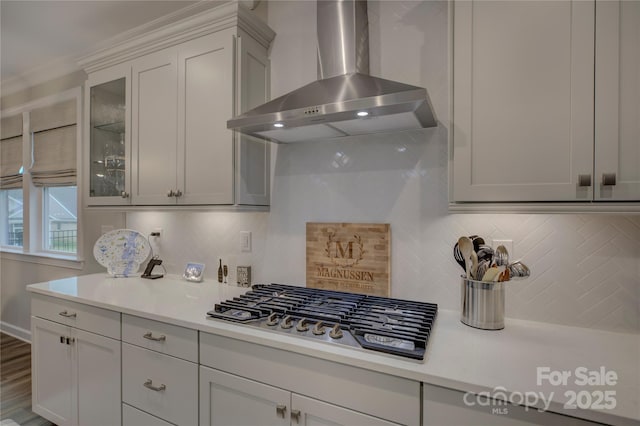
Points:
(17, 332)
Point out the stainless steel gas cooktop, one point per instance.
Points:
(392, 326)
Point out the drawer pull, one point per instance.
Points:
(67, 314)
(149, 385)
(295, 415)
(149, 336)
(281, 410)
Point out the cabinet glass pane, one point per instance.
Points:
(107, 144)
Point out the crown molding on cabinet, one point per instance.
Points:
(185, 24)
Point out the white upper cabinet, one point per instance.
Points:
(617, 127)
(154, 118)
(525, 107)
(186, 79)
(523, 100)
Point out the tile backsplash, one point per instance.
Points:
(585, 267)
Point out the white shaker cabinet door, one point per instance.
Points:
(53, 392)
(154, 128)
(523, 100)
(205, 103)
(98, 372)
(311, 412)
(617, 127)
(228, 400)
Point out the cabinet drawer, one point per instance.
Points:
(85, 317)
(177, 401)
(134, 417)
(161, 337)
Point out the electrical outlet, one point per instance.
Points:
(106, 228)
(245, 241)
(508, 244)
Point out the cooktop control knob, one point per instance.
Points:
(287, 322)
(336, 332)
(303, 325)
(272, 319)
(318, 329)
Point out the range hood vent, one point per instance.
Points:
(345, 100)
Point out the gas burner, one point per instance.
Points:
(393, 326)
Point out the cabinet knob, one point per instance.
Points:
(178, 193)
(149, 385)
(584, 180)
(171, 193)
(124, 194)
(149, 336)
(608, 179)
(295, 415)
(67, 314)
(281, 410)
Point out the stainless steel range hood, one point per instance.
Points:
(345, 100)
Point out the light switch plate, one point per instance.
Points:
(245, 241)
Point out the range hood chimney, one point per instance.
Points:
(345, 100)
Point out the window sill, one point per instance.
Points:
(50, 259)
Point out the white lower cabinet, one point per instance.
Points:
(447, 407)
(243, 383)
(227, 399)
(76, 375)
(162, 385)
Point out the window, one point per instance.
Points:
(61, 219)
(39, 167)
(12, 217)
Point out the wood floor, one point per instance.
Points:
(15, 382)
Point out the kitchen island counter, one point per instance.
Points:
(538, 364)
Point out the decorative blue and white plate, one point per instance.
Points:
(121, 251)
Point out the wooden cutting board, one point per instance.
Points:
(354, 257)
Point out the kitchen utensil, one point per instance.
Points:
(477, 242)
(482, 304)
(485, 252)
(491, 274)
(483, 265)
(466, 248)
(518, 270)
(501, 256)
(474, 264)
(457, 255)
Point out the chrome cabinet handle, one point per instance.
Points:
(149, 385)
(584, 180)
(149, 336)
(67, 314)
(171, 193)
(124, 194)
(295, 415)
(178, 193)
(608, 179)
(281, 410)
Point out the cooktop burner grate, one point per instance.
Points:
(393, 326)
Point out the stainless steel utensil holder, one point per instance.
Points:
(482, 304)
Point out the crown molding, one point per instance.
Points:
(191, 22)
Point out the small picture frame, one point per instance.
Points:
(193, 272)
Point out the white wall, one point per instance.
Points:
(586, 268)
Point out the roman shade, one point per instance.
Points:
(54, 131)
(11, 152)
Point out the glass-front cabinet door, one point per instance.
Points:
(108, 114)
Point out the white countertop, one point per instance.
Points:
(458, 357)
